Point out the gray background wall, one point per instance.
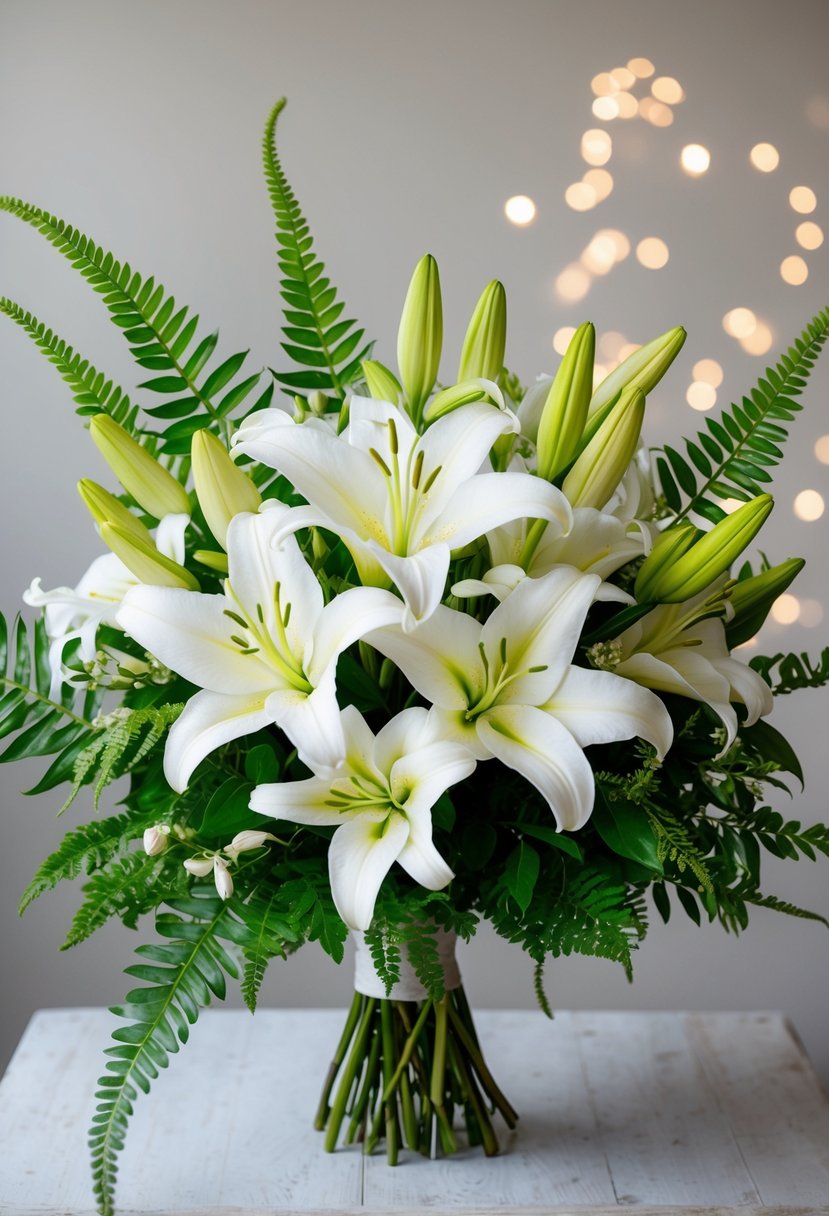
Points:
(408, 127)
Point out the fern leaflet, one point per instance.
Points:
(793, 671)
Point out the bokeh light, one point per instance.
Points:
(600, 372)
(596, 146)
(606, 108)
(809, 235)
(600, 181)
(656, 112)
(759, 341)
(561, 338)
(520, 210)
(709, 372)
(642, 68)
(764, 157)
(630, 348)
(809, 506)
(701, 396)
(624, 77)
(802, 199)
(573, 283)
(580, 196)
(817, 111)
(620, 241)
(739, 322)
(786, 609)
(793, 270)
(603, 84)
(652, 252)
(695, 159)
(822, 449)
(667, 89)
(600, 255)
(628, 105)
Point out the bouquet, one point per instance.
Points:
(395, 654)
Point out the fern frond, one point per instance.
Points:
(162, 337)
(782, 905)
(107, 755)
(270, 934)
(540, 995)
(673, 843)
(128, 887)
(794, 671)
(733, 456)
(324, 345)
(92, 392)
(183, 974)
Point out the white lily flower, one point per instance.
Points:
(507, 689)
(264, 652)
(402, 501)
(679, 648)
(76, 612)
(380, 801)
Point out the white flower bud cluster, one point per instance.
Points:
(242, 842)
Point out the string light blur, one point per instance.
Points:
(759, 341)
(709, 372)
(739, 322)
(606, 108)
(764, 157)
(600, 181)
(802, 199)
(656, 112)
(573, 283)
(596, 146)
(786, 609)
(822, 449)
(809, 506)
(809, 235)
(561, 338)
(641, 68)
(520, 210)
(667, 89)
(695, 159)
(580, 196)
(793, 270)
(652, 253)
(701, 396)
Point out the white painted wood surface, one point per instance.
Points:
(691, 1114)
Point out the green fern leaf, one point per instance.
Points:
(794, 671)
(323, 345)
(106, 756)
(128, 887)
(271, 933)
(185, 973)
(782, 905)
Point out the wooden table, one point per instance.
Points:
(658, 1112)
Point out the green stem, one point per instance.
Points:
(355, 1060)
(408, 1047)
(470, 1093)
(370, 1081)
(509, 1113)
(336, 1062)
(390, 1099)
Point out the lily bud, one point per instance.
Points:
(565, 410)
(156, 839)
(152, 487)
(711, 555)
(382, 384)
(451, 398)
(106, 509)
(752, 598)
(212, 559)
(420, 336)
(601, 466)
(482, 355)
(643, 369)
(200, 867)
(666, 549)
(221, 877)
(222, 488)
(246, 842)
(144, 559)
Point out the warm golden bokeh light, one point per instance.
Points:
(817, 111)
(666, 89)
(606, 108)
(603, 84)
(764, 157)
(739, 322)
(596, 146)
(641, 68)
(600, 372)
(730, 504)
(620, 241)
(786, 609)
(652, 252)
(610, 344)
(793, 270)
(628, 105)
(520, 210)
(600, 254)
(809, 235)
(802, 199)
(701, 396)
(811, 613)
(822, 449)
(561, 338)
(709, 372)
(580, 196)
(600, 181)
(630, 348)
(695, 159)
(624, 77)
(759, 341)
(809, 506)
(573, 283)
(656, 112)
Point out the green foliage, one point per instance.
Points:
(128, 887)
(794, 671)
(107, 756)
(540, 995)
(182, 975)
(674, 843)
(34, 723)
(273, 929)
(93, 392)
(733, 455)
(324, 345)
(162, 337)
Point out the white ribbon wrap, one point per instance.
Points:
(408, 987)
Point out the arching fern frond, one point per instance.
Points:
(733, 456)
(162, 336)
(127, 887)
(317, 339)
(109, 754)
(181, 976)
(794, 671)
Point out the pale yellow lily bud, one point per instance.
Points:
(222, 488)
(709, 557)
(751, 599)
(482, 355)
(221, 877)
(381, 383)
(565, 410)
(597, 472)
(643, 369)
(451, 398)
(667, 547)
(144, 560)
(106, 509)
(420, 336)
(212, 559)
(152, 487)
(199, 867)
(247, 841)
(156, 839)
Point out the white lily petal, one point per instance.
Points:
(208, 720)
(688, 674)
(598, 707)
(169, 537)
(597, 543)
(453, 726)
(534, 744)
(360, 856)
(368, 427)
(420, 579)
(297, 802)
(440, 658)
(407, 731)
(312, 723)
(418, 778)
(748, 687)
(189, 633)
(199, 866)
(610, 593)
(419, 857)
(532, 406)
(483, 502)
(346, 619)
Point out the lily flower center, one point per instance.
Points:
(497, 677)
(407, 486)
(272, 645)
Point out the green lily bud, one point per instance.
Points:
(420, 337)
(451, 398)
(144, 560)
(106, 509)
(152, 487)
(212, 559)
(667, 547)
(752, 598)
(643, 369)
(482, 355)
(601, 466)
(382, 384)
(565, 410)
(711, 555)
(222, 488)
